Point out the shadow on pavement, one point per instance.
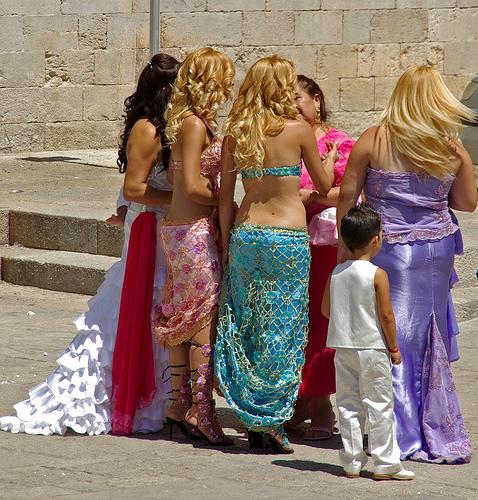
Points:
(65, 159)
(297, 437)
(309, 465)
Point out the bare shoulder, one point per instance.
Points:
(297, 125)
(193, 125)
(372, 135)
(145, 129)
(298, 129)
(144, 139)
(367, 142)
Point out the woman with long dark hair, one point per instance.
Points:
(78, 393)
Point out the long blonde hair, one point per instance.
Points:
(423, 119)
(204, 82)
(266, 100)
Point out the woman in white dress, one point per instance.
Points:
(77, 394)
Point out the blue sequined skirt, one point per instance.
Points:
(263, 320)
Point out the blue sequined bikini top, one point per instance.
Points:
(257, 173)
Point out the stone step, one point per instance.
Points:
(82, 238)
(54, 270)
(465, 300)
(65, 233)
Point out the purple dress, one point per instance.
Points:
(420, 241)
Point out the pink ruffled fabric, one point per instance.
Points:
(322, 229)
(344, 146)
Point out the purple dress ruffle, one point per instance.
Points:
(421, 238)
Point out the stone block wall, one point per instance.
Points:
(67, 65)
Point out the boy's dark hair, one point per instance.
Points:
(360, 225)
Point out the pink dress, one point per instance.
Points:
(318, 374)
(192, 291)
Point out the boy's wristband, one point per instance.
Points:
(393, 350)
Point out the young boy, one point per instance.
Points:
(362, 330)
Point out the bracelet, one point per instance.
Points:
(393, 350)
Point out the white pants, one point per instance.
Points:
(364, 389)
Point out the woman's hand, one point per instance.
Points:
(332, 153)
(115, 220)
(118, 218)
(305, 195)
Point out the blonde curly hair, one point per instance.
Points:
(204, 82)
(423, 118)
(265, 101)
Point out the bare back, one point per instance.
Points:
(274, 200)
(193, 152)
(383, 155)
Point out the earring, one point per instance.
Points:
(318, 118)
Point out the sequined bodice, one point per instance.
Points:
(210, 159)
(412, 206)
(258, 173)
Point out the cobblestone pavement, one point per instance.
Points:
(82, 467)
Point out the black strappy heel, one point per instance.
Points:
(180, 424)
(256, 440)
(279, 442)
(184, 400)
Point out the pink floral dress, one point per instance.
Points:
(191, 294)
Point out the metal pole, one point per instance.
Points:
(154, 13)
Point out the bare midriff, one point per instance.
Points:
(272, 201)
(182, 207)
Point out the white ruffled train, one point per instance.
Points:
(76, 394)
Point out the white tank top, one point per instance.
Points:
(354, 321)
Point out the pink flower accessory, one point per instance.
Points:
(199, 247)
(168, 309)
(205, 369)
(204, 407)
(184, 304)
(186, 269)
(184, 389)
(201, 396)
(180, 235)
(200, 285)
(206, 350)
(157, 313)
(179, 288)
